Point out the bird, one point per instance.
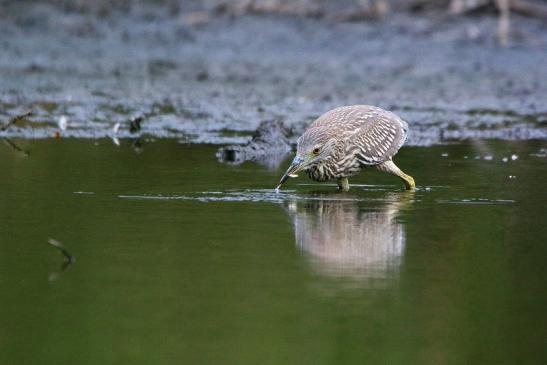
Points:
(345, 140)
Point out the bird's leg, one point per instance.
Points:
(343, 184)
(390, 167)
(409, 182)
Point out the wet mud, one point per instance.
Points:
(214, 81)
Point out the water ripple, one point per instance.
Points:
(259, 195)
(477, 201)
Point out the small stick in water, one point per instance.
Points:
(15, 147)
(68, 261)
(58, 245)
(15, 120)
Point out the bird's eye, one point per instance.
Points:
(315, 151)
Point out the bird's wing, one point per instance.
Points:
(379, 136)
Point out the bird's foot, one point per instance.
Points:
(409, 182)
(343, 184)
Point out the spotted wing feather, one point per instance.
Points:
(374, 135)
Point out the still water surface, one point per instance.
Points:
(181, 259)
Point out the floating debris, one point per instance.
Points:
(488, 158)
(514, 157)
(135, 124)
(62, 122)
(15, 120)
(58, 245)
(512, 177)
(68, 259)
(504, 159)
(113, 136)
(444, 154)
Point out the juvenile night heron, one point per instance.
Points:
(345, 140)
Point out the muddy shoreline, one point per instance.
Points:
(216, 81)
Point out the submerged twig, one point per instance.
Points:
(15, 120)
(15, 147)
(69, 259)
(58, 245)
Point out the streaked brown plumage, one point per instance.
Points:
(343, 141)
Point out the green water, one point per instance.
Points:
(181, 259)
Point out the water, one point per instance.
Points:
(180, 259)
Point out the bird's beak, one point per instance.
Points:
(296, 165)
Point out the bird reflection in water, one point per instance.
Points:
(344, 237)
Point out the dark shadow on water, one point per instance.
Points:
(346, 238)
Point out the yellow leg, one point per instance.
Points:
(408, 181)
(343, 184)
(391, 168)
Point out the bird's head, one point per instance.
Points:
(312, 149)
